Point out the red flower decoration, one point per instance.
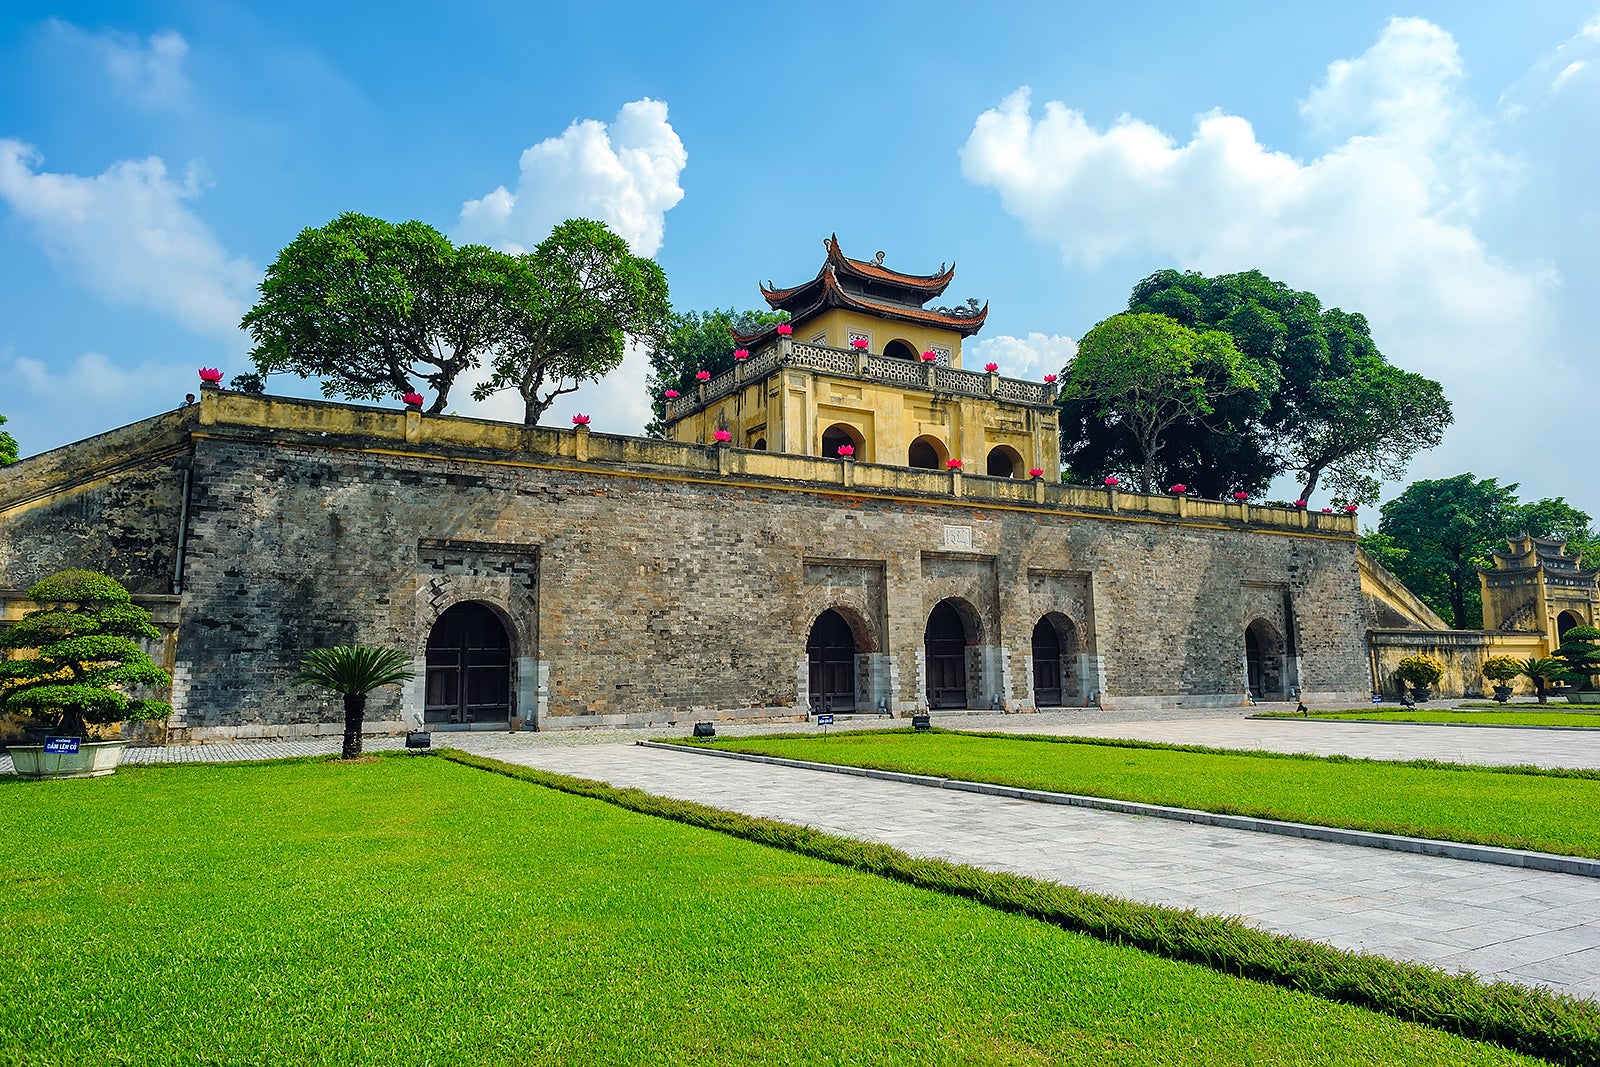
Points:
(702, 376)
(953, 464)
(1327, 511)
(1299, 503)
(1036, 472)
(1179, 489)
(847, 450)
(1111, 479)
(784, 329)
(722, 436)
(414, 399)
(671, 394)
(741, 353)
(580, 420)
(929, 356)
(858, 342)
(1241, 496)
(210, 374)
(1350, 508)
(991, 367)
(1049, 379)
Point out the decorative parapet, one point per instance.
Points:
(850, 364)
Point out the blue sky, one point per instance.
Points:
(1429, 166)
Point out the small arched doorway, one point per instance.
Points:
(1055, 662)
(1004, 462)
(1564, 622)
(898, 349)
(831, 650)
(945, 645)
(842, 433)
(1263, 660)
(927, 452)
(469, 668)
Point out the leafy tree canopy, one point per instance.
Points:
(81, 655)
(695, 341)
(1439, 533)
(8, 445)
(578, 300)
(1140, 375)
(1328, 405)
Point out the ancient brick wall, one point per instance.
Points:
(640, 585)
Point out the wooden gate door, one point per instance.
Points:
(1046, 665)
(945, 642)
(832, 652)
(469, 668)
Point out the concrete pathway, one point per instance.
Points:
(1531, 927)
(1386, 741)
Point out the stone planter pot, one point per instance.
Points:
(92, 760)
(1502, 693)
(1424, 693)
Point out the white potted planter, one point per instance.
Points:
(91, 760)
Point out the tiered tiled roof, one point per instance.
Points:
(869, 287)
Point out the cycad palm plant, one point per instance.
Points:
(354, 671)
(1543, 670)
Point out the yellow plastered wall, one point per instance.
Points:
(836, 325)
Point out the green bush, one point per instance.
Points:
(1580, 654)
(1419, 671)
(1501, 669)
(79, 656)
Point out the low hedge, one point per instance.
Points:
(1538, 1022)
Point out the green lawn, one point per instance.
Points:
(1546, 716)
(1547, 812)
(414, 911)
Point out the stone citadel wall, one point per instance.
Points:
(649, 581)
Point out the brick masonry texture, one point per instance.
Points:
(643, 592)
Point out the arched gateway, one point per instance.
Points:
(469, 668)
(831, 650)
(1055, 662)
(945, 644)
(1263, 658)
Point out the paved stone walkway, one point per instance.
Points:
(1525, 926)
(1531, 927)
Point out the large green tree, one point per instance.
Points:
(1327, 406)
(376, 309)
(696, 341)
(8, 445)
(1443, 530)
(1143, 374)
(573, 305)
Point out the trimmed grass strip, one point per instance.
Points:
(1538, 1022)
(1583, 719)
(1448, 802)
(410, 910)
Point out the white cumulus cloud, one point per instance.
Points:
(624, 174)
(147, 71)
(131, 235)
(1381, 222)
(1021, 357)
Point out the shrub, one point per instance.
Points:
(1501, 669)
(353, 671)
(1419, 671)
(1580, 654)
(80, 656)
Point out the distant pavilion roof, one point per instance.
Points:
(866, 286)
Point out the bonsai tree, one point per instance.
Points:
(1543, 670)
(80, 656)
(1500, 670)
(1420, 672)
(354, 671)
(1580, 654)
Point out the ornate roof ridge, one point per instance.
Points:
(832, 294)
(933, 284)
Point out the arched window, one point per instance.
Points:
(842, 433)
(945, 652)
(831, 650)
(469, 667)
(1004, 462)
(898, 349)
(760, 445)
(928, 452)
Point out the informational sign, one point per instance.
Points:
(61, 746)
(824, 720)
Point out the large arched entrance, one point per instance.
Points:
(1055, 662)
(928, 452)
(831, 650)
(1564, 622)
(469, 668)
(945, 643)
(1263, 661)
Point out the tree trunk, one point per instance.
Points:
(355, 707)
(1312, 477)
